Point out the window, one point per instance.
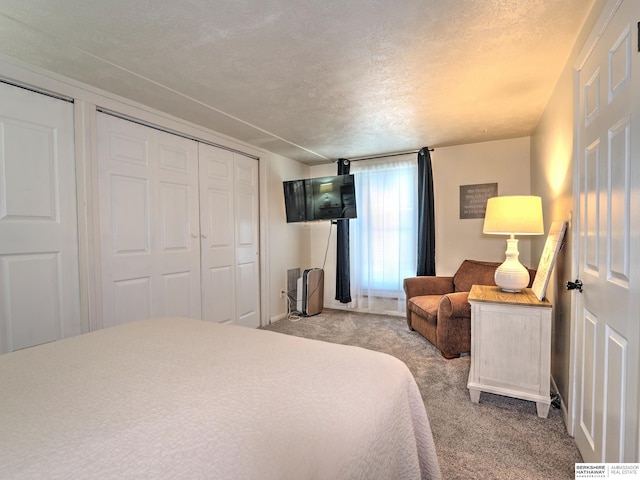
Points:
(383, 239)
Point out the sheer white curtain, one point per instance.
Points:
(383, 239)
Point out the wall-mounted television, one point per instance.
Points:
(322, 198)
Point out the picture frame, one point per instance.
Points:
(548, 258)
(473, 199)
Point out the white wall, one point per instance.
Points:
(505, 162)
(289, 243)
(551, 165)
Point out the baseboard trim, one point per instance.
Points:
(277, 317)
(563, 407)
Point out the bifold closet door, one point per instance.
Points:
(39, 280)
(229, 215)
(149, 222)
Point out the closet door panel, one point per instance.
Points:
(39, 279)
(247, 243)
(219, 221)
(178, 209)
(129, 220)
(31, 277)
(149, 226)
(247, 300)
(177, 289)
(125, 175)
(217, 217)
(219, 299)
(131, 300)
(174, 207)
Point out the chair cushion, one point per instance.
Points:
(474, 272)
(425, 305)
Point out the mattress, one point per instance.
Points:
(178, 398)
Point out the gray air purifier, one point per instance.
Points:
(310, 292)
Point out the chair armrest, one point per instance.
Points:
(427, 285)
(454, 305)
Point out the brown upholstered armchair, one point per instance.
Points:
(438, 309)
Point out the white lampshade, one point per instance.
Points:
(326, 187)
(513, 215)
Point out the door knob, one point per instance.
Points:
(577, 285)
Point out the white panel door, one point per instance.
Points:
(230, 226)
(247, 241)
(218, 234)
(607, 323)
(39, 280)
(150, 245)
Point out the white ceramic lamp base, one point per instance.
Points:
(512, 276)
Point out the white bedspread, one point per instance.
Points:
(186, 399)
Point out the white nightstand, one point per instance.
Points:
(510, 345)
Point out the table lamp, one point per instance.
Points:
(513, 215)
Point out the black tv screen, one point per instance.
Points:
(322, 198)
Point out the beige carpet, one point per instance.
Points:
(500, 438)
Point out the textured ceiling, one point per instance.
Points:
(313, 80)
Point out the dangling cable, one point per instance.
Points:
(294, 316)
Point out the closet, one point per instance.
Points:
(39, 279)
(179, 227)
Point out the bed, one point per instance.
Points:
(177, 398)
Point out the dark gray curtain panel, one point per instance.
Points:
(343, 281)
(426, 223)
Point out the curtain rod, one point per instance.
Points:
(383, 156)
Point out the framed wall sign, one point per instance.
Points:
(473, 199)
(548, 258)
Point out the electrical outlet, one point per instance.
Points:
(283, 294)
